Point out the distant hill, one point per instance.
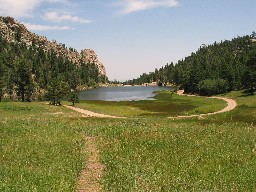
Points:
(13, 31)
(45, 60)
(212, 69)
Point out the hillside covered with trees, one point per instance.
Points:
(212, 69)
(29, 71)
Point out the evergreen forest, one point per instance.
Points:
(212, 69)
(28, 72)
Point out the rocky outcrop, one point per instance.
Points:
(13, 31)
(89, 56)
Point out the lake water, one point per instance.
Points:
(126, 93)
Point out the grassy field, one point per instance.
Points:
(39, 150)
(42, 147)
(166, 104)
(146, 155)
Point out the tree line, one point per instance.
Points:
(28, 72)
(212, 69)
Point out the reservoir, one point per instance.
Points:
(125, 93)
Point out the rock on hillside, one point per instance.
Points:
(89, 56)
(13, 31)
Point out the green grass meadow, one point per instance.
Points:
(42, 147)
(39, 150)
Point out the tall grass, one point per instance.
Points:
(216, 153)
(42, 148)
(148, 155)
(39, 151)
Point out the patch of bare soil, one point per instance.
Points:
(92, 173)
(90, 113)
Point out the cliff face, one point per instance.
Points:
(89, 56)
(13, 31)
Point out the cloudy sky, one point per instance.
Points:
(135, 36)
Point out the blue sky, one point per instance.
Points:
(135, 36)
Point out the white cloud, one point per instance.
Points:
(23, 8)
(65, 2)
(54, 16)
(35, 27)
(130, 6)
(57, 1)
(18, 8)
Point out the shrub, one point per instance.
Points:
(212, 86)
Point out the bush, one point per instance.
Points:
(212, 86)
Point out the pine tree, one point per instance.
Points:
(250, 75)
(2, 79)
(24, 80)
(57, 90)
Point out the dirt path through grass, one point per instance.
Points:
(90, 113)
(90, 176)
(231, 104)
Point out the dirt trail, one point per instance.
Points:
(231, 104)
(90, 113)
(91, 175)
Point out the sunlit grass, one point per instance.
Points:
(244, 112)
(165, 155)
(39, 150)
(42, 147)
(179, 155)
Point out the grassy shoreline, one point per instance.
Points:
(166, 104)
(42, 149)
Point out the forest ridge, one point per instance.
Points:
(30, 65)
(212, 69)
